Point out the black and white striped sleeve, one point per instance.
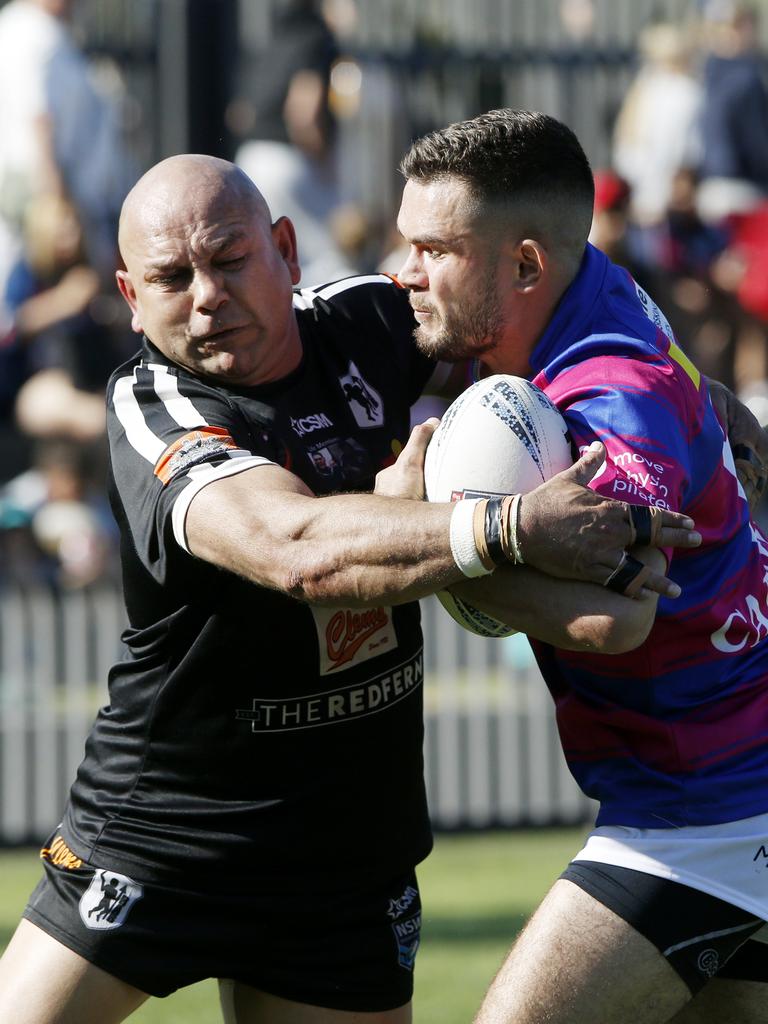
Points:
(170, 435)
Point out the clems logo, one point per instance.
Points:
(348, 636)
(364, 401)
(708, 962)
(407, 935)
(348, 630)
(399, 906)
(107, 900)
(306, 424)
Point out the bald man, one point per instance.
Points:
(251, 804)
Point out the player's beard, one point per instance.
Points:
(466, 332)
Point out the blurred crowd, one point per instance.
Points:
(63, 174)
(683, 204)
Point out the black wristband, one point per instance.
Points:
(493, 530)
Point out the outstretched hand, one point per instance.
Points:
(571, 532)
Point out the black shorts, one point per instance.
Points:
(700, 936)
(338, 944)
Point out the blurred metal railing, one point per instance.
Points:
(492, 753)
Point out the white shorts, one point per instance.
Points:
(728, 861)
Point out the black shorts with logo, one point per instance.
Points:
(701, 936)
(346, 945)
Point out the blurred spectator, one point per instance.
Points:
(292, 155)
(609, 221)
(656, 132)
(58, 133)
(55, 524)
(64, 355)
(734, 164)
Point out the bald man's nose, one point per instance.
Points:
(208, 291)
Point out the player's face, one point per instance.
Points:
(452, 272)
(210, 284)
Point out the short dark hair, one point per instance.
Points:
(508, 155)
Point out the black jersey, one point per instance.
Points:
(246, 729)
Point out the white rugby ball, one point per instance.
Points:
(501, 436)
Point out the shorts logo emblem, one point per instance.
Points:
(708, 962)
(407, 930)
(400, 905)
(407, 934)
(107, 900)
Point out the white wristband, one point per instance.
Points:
(463, 547)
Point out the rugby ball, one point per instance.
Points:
(501, 436)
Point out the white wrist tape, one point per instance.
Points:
(463, 547)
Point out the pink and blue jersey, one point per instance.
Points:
(676, 732)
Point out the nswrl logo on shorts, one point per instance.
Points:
(407, 930)
(107, 900)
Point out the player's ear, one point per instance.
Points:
(531, 261)
(284, 237)
(128, 292)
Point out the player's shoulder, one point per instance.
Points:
(371, 296)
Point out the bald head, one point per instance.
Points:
(186, 189)
(208, 278)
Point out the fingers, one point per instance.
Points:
(633, 578)
(585, 467)
(405, 478)
(668, 529)
(751, 471)
(674, 537)
(655, 583)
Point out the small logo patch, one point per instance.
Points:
(400, 905)
(349, 636)
(407, 934)
(708, 962)
(192, 448)
(364, 401)
(60, 855)
(107, 900)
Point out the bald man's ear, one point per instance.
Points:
(128, 292)
(284, 237)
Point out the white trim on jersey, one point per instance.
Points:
(200, 477)
(304, 299)
(179, 407)
(128, 411)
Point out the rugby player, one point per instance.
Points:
(659, 917)
(251, 804)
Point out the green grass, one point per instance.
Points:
(477, 891)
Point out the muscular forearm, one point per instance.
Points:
(352, 549)
(567, 614)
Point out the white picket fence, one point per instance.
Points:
(491, 751)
